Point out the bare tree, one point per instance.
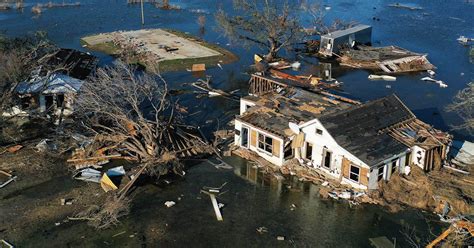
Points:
(133, 111)
(463, 105)
(271, 24)
(317, 14)
(18, 56)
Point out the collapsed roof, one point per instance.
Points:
(78, 64)
(273, 111)
(54, 84)
(70, 68)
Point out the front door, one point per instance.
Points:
(244, 137)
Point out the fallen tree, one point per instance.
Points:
(133, 113)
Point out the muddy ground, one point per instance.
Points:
(32, 203)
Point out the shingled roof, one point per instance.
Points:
(357, 129)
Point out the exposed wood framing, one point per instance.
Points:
(260, 85)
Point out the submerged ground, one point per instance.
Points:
(29, 208)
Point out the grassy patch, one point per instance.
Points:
(106, 47)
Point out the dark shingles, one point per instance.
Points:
(357, 129)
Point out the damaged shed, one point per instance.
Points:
(335, 41)
(53, 85)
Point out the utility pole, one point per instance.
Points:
(143, 16)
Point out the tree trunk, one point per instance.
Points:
(272, 51)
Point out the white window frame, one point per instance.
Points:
(265, 145)
(383, 173)
(351, 173)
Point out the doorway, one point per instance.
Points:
(244, 137)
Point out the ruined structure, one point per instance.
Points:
(358, 144)
(53, 85)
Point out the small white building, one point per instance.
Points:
(358, 144)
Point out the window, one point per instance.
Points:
(319, 131)
(327, 159)
(394, 166)
(309, 150)
(265, 143)
(380, 173)
(407, 159)
(244, 138)
(288, 151)
(354, 173)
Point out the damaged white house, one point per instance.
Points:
(358, 144)
(53, 86)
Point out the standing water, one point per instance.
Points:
(254, 199)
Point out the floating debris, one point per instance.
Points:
(441, 83)
(382, 77)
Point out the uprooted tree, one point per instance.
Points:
(271, 24)
(133, 113)
(463, 106)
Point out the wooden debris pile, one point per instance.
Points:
(390, 59)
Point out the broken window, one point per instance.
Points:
(288, 151)
(59, 101)
(407, 159)
(244, 141)
(309, 150)
(319, 131)
(354, 173)
(265, 143)
(394, 166)
(327, 159)
(380, 173)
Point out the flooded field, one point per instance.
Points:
(253, 199)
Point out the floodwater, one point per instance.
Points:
(254, 200)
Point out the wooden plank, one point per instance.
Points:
(363, 178)
(345, 167)
(253, 138)
(276, 148)
(216, 207)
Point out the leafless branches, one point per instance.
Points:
(106, 215)
(270, 24)
(128, 109)
(132, 112)
(463, 105)
(17, 58)
(318, 21)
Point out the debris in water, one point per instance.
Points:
(170, 204)
(382, 77)
(464, 40)
(441, 83)
(404, 6)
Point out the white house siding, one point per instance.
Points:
(244, 104)
(320, 141)
(418, 156)
(387, 172)
(267, 156)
